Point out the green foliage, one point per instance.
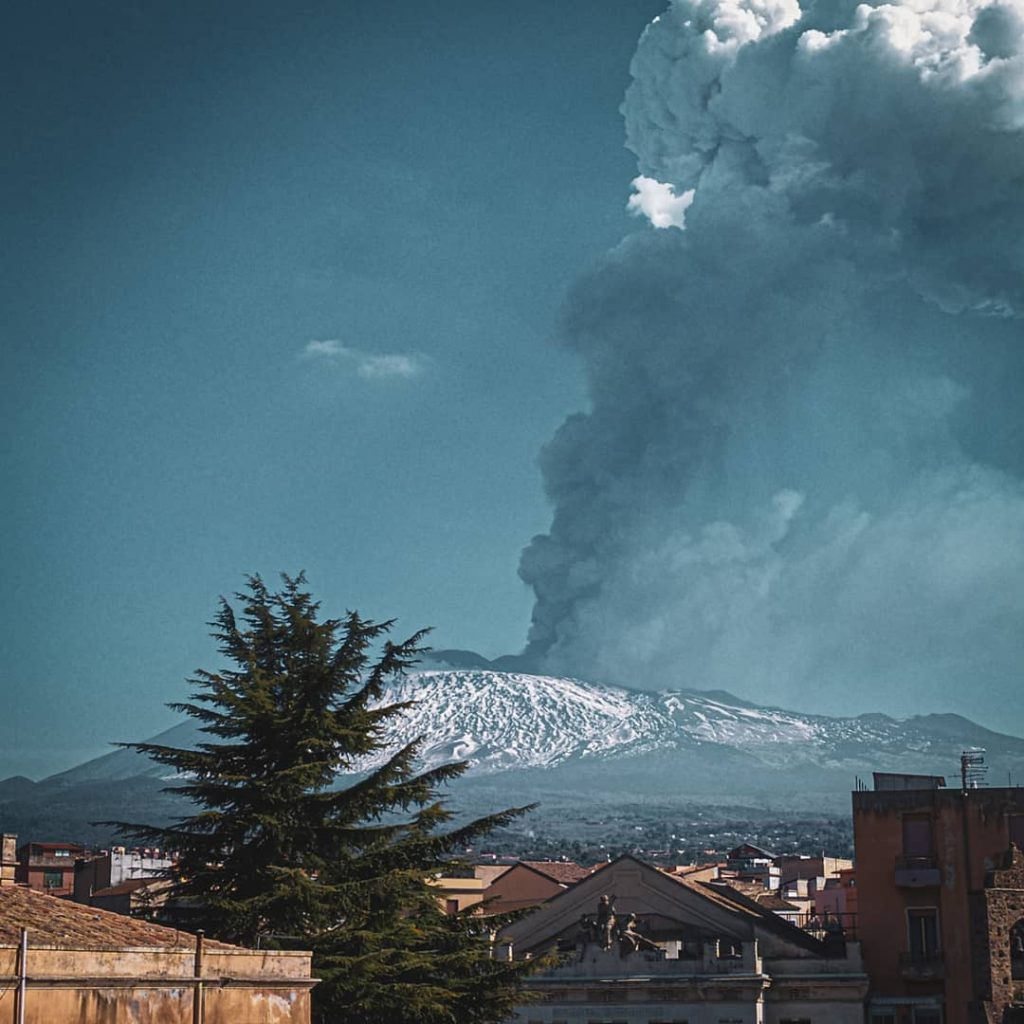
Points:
(278, 855)
(404, 961)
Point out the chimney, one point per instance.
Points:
(8, 858)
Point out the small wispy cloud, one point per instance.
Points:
(368, 365)
(323, 349)
(659, 203)
(396, 365)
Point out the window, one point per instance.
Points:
(883, 1018)
(53, 879)
(451, 906)
(927, 1015)
(1017, 950)
(1016, 829)
(923, 932)
(917, 835)
(62, 853)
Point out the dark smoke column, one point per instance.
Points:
(800, 474)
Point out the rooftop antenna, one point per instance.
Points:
(972, 768)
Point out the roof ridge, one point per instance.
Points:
(62, 922)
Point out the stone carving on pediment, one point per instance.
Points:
(604, 929)
(599, 929)
(630, 939)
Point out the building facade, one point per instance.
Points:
(48, 867)
(63, 963)
(111, 869)
(940, 900)
(529, 883)
(634, 945)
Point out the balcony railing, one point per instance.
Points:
(49, 861)
(922, 966)
(822, 926)
(915, 872)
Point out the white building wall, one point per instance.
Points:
(129, 864)
(814, 1012)
(652, 1013)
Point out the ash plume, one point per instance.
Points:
(801, 473)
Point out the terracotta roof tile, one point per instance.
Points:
(773, 901)
(565, 872)
(55, 922)
(131, 885)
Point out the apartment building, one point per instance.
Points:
(115, 868)
(48, 867)
(940, 900)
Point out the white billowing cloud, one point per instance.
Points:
(659, 203)
(368, 365)
(800, 476)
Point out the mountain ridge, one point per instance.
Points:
(544, 737)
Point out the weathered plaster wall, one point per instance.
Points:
(157, 986)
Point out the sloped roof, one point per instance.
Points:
(565, 872)
(751, 889)
(774, 902)
(131, 885)
(767, 898)
(715, 904)
(767, 918)
(55, 922)
(682, 870)
(52, 845)
(757, 850)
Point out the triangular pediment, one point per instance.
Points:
(662, 902)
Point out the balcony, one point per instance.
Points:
(917, 872)
(923, 966)
(843, 926)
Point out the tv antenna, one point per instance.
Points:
(973, 768)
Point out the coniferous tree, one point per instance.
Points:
(276, 854)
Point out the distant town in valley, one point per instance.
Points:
(913, 916)
(667, 835)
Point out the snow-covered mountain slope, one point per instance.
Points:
(505, 720)
(502, 720)
(511, 721)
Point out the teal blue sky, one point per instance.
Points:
(193, 194)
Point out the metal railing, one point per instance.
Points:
(916, 861)
(822, 925)
(922, 964)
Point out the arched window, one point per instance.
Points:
(1017, 950)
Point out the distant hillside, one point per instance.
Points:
(579, 744)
